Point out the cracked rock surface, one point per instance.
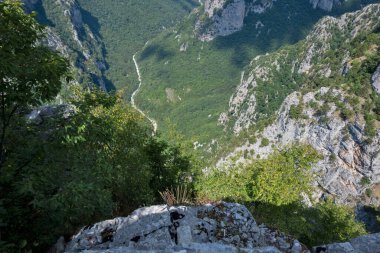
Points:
(222, 227)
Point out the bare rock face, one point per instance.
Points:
(376, 80)
(305, 60)
(223, 18)
(44, 113)
(363, 244)
(222, 227)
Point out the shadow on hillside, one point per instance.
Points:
(92, 22)
(41, 14)
(156, 50)
(188, 5)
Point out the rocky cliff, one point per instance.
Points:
(224, 17)
(220, 227)
(76, 38)
(351, 166)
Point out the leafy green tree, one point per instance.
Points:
(325, 222)
(279, 179)
(99, 163)
(30, 73)
(283, 176)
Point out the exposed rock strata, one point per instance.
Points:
(212, 228)
(306, 60)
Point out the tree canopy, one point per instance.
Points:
(30, 73)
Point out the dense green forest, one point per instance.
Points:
(94, 157)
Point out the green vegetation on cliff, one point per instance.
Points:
(275, 189)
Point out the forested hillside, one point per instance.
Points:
(188, 81)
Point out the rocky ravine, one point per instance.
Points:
(212, 228)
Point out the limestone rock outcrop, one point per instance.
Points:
(362, 244)
(376, 80)
(348, 158)
(225, 17)
(40, 115)
(75, 38)
(221, 227)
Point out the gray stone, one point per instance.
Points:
(297, 247)
(367, 243)
(184, 234)
(362, 244)
(376, 80)
(39, 115)
(173, 229)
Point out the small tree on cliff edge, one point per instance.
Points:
(30, 73)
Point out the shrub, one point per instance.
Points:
(264, 142)
(279, 179)
(365, 181)
(326, 222)
(295, 111)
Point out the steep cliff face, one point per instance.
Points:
(350, 169)
(223, 17)
(376, 80)
(286, 65)
(349, 159)
(68, 33)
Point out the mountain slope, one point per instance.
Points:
(72, 33)
(336, 111)
(188, 80)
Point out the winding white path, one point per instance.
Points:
(152, 121)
